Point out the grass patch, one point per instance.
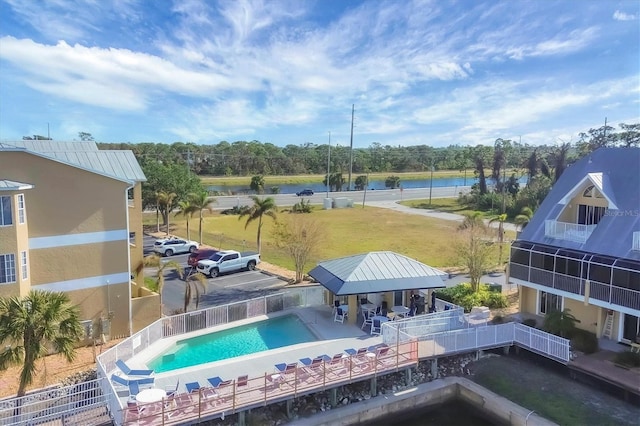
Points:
(347, 232)
(448, 205)
(556, 405)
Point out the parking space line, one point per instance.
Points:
(249, 282)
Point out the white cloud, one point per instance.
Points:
(622, 16)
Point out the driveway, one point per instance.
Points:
(223, 289)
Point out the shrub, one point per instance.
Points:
(627, 359)
(584, 341)
(495, 300)
(463, 295)
(498, 319)
(235, 210)
(561, 323)
(302, 207)
(531, 322)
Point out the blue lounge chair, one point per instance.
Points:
(131, 372)
(215, 381)
(308, 361)
(352, 351)
(133, 385)
(286, 368)
(193, 386)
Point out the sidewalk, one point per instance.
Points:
(393, 205)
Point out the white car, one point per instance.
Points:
(171, 246)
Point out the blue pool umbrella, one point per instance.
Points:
(433, 299)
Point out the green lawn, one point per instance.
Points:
(348, 232)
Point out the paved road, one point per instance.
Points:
(227, 202)
(220, 290)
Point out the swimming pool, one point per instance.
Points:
(247, 339)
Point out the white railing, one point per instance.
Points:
(443, 333)
(82, 403)
(568, 231)
(199, 320)
(636, 241)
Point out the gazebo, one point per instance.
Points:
(375, 272)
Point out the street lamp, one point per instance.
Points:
(328, 163)
(431, 184)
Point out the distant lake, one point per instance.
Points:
(373, 185)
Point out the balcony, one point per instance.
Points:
(568, 231)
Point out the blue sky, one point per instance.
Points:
(287, 72)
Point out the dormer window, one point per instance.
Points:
(588, 192)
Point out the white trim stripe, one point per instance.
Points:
(78, 239)
(84, 283)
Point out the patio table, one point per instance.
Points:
(151, 395)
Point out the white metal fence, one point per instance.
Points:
(449, 332)
(79, 404)
(199, 320)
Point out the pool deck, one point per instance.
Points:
(334, 338)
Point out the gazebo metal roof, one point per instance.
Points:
(376, 272)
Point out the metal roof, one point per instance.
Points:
(614, 171)
(12, 185)
(376, 272)
(52, 146)
(119, 164)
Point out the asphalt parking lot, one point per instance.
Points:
(224, 289)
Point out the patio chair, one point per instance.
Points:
(353, 352)
(133, 411)
(367, 319)
(286, 368)
(130, 371)
(376, 327)
(340, 315)
(336, 305)
(172, 390)
(242, 381)
(314, 366)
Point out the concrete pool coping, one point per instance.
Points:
(333, 338)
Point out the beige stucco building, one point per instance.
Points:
(581, 250)
(71, 221)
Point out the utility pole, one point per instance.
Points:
(431, 183)
(328, 164)
(353, 108)
(364, 198)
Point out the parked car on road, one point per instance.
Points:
(200, 254)
(171, 246)
(307, 192)
(228, 261)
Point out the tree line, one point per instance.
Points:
(247, 158)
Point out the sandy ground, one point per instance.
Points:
(52, 369)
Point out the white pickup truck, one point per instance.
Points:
(228, 261)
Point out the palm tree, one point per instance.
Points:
(201, 201)
(501, 219)
(186, 209)
(192, 285)
(164, 204)
(155, 261)
(261, 207)
(524, 217)
(31, 326)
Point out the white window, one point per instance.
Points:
(21, 216)
(5, 211)
(7, 268)
(549, 302)
(24, 265)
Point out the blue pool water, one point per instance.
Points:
(247, 339)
